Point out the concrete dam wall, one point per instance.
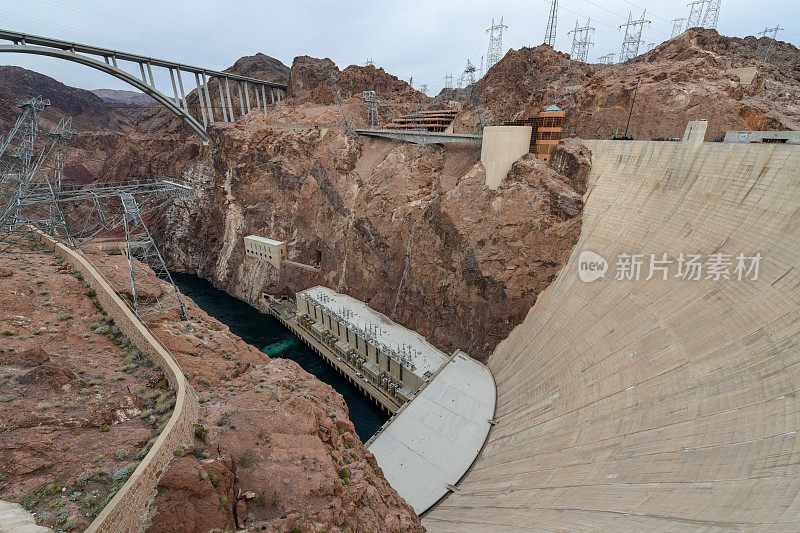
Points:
(655, 404)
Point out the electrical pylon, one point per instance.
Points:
(711, 16)
(495, 52)
(695, 13)
(633, 37)
(677, 27)
(552, 20)
(581, 41)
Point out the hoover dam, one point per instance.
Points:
(644, 405)
(273, 293)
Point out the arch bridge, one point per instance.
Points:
(251, 92)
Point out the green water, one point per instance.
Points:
(274, 339)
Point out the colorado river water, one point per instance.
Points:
(271, 337)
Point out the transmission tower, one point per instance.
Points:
(495, 52)
(370, 62)
(695, 13)
(550, 32)
(711, 16)
(149, 295)
(448, 81)
(677, 27)
(338, 97)
(38, 202)
(766, 45)
(607, 59)
(581, 41)
(633, 37)
(372, 114)
(424, 88)
(468, 75)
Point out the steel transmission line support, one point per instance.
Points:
(607, 59)
(711, 17)
(766, 45)
(495, 52)
(372, 114)
(581, 41)
(152, 295)
(633, 37)
(695, 13)
(677, 27)
(550, 32)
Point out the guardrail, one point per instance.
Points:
(127, 511)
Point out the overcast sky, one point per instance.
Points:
(425, 39)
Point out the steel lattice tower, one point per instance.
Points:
(495, 52)
(468, 75)
(607, 59)
(552, 20)
(633, 37)
(711, 16)
(152, 295)
(581, 41)
(372, 114)
(677, 27)
(765, 46)
(695, 13)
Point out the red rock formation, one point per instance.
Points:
(682, 79)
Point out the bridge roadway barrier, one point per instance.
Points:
(421, 137)
(660, 404)
(128, 511)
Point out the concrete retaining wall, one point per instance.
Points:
(502, 146)
(127, 512)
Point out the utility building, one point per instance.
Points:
(384, 354)
(269, 250)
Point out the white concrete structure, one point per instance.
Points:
(268, 250)
(502, 146)
(15, 519)
(654, 404)
(778, 137)
(433, 440)
(374, 328)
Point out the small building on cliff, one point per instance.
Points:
(269, 250)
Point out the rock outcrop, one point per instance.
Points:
(685, 78)
(410, 230)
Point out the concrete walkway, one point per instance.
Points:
(15, 519)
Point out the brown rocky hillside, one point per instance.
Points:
(683, 79)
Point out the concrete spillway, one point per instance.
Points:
(655, 405)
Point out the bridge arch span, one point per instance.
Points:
(118, 73)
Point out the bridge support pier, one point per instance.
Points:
(200, 99)
(208, 99)
(247, 96)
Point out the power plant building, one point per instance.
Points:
(385, 354)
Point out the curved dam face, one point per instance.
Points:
(636, 405)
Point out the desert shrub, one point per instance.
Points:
(105, 428)
(93, 474)
(344, 475)
(200, 432)
(248, 459)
